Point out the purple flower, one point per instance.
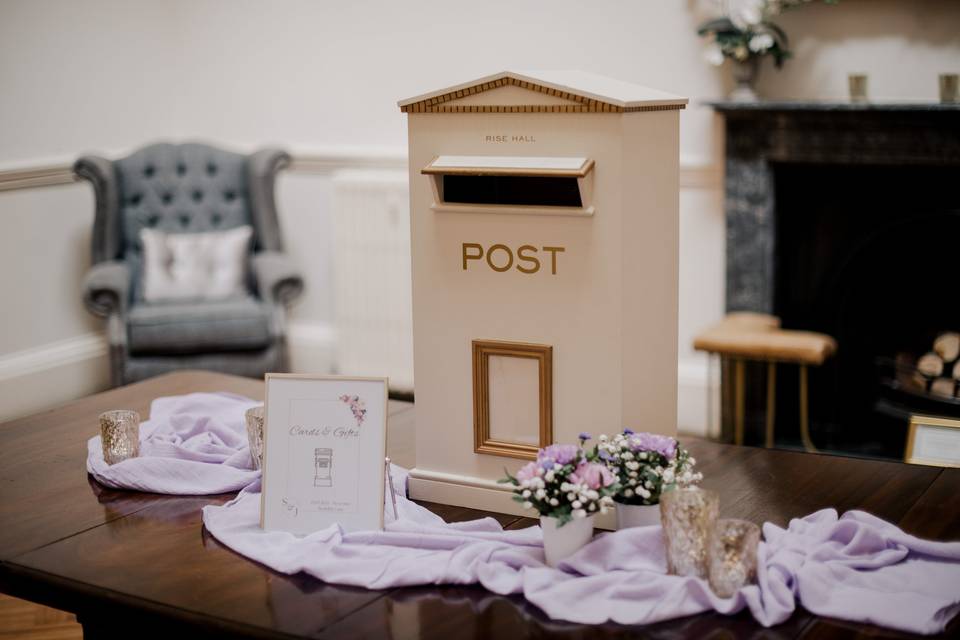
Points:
(627, 431)
(557, 453)
(527, 472)
(593, 475)
(664, 445)
(584, 436)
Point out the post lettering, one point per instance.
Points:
(506, 250)
(553, 257)
(468, 256)
(521, 257)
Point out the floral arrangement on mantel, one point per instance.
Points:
(745, 33)
(565, 482)
(646, 464)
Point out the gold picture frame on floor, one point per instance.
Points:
(928, 434)
(488, 437)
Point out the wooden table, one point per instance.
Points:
(119, 559)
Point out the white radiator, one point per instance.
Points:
(371, 275)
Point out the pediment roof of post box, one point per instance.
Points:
(562, 91)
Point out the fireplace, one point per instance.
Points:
(845, 219)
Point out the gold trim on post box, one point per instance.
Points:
(483, 442)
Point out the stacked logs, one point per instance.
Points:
(939, 369)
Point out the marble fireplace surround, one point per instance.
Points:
(760, 134)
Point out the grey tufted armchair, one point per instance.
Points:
(188, 188)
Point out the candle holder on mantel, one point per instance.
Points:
(688, 516)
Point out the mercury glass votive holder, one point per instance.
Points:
(254, 419)
(120, 435)
(949, 88)
(688, 516)
(733, 556)
(857, 83)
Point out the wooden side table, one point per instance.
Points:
(744, 336)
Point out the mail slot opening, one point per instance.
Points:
(512, 184)
(512, 190)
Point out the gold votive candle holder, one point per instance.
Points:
(120, 435)
(733, 556)
(254, 420)
(857, 83)
(688, 516)
(949, 88)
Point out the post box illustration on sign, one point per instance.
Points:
(544, 238)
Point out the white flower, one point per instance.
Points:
(760, 42)
(633, 482)
(571, 497)
(627, 455)
(549, 476)
(746, 13)
(592, 506)
(557, 466)
(576, 504)
(633, 465)
(602, 438)
(554, 502)
(713, 54)
(541, 494)
(627, 493)
(527, 505)
(526, 493)
(592, 495)
(579, 513)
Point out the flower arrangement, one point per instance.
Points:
(747, 31)
(646, 464)
(357, 407)
(566, 481)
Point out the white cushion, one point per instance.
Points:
(194, 266)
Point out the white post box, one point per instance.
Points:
(544, 230)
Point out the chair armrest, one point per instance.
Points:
(262, 169)
(278, 280)
(106, 241)
(106, 288)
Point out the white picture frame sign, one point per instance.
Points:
(324, 443)
(933, 441)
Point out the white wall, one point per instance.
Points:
(112, 75)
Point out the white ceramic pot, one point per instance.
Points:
(560, 542)
(637, 515)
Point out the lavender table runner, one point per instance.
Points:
(855, 567)
(192, 445)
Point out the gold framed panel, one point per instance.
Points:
(918, 422)
(483, 442)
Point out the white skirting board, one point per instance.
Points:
(476, 493)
